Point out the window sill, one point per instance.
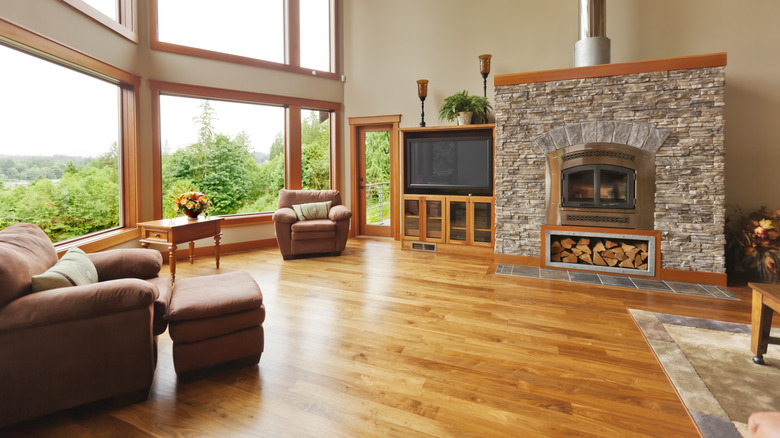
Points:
(99, 241)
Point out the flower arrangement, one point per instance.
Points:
(758, 237)
(192, 203)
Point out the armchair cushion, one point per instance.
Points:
(285, 215)
(73, 269)
(127, 263)
(25, 250)
(312, 210)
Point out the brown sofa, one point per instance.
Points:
(65, 347)
(317, 236)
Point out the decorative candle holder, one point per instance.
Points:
(422, 93)
(484, 68)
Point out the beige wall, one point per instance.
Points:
(391, 43)
(66, 25)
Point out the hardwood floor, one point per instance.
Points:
(384, 342)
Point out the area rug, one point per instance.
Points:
(709, 364)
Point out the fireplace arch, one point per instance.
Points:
(638, 135)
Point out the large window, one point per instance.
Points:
(240, 148)
(292, 35)
(233, 152)
(59, 148)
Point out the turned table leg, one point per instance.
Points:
(172, 260)
(761, 324)
(217, 238)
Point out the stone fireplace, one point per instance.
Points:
(636, 146)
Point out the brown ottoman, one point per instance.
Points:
(214, 320)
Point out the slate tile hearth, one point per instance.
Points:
(675, 287)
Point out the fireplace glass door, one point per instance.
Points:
(598, 186)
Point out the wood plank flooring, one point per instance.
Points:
(383, 342)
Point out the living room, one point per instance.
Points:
(382, 49)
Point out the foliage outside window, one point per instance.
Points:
(315, 149)
(378, 176)
(235, 155)
(63, 177)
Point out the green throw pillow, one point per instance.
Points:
(73, 269)
(312, 210)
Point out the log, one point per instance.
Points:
(644, 256)
(608, 254)
(555, 257)
(632, 252)
(599, 247)
(643, 266)
(637, 260)
(598, 260)
(610, 244)
(556, 247)
(627, 263)
(642, 246)
(583, 242)
(571, 258)
(584, 248)
(567, 243)
(611, 262)
(626, 247)
(586, 258)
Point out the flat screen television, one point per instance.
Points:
(450, 163)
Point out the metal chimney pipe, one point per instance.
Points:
(593, 47)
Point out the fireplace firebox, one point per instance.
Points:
(601, 185)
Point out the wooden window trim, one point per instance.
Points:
(34, 44)
(290, 103)
(292, 43)
(125, 26)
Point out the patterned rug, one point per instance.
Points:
(709, 364)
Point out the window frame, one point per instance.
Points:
(292, 140)
(292, 62)
(34, 44)
(126, 13)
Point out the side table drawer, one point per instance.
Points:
(161, 235)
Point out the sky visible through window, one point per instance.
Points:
(179, 128)
(51, 110)
(106, 7)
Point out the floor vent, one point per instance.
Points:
(422, 246)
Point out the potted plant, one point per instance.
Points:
(463, 107)
(192, 203)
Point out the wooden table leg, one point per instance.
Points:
(192, 252)
(761, 324)
(172, 260)
(217, 238)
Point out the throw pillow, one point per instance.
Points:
(312, 210)
(73, 269)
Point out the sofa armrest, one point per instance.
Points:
(286, 215)
(75, 303)
(339, 213)
(127, 263)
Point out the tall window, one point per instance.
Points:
(250, 28)
(290, 35)
(233, 152)
(59, 148)
(315, 34)
(315, 149)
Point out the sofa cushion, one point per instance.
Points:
(25, 250)
(288, 198)
(314, 226)
(73, 269)
(312, 210)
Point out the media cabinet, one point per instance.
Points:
(447, 219)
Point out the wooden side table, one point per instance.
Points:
(766, 299)
(172, 232)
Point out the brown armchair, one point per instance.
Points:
(316, 236)
(69, 346)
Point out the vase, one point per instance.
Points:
(464, 118)
(191, 214)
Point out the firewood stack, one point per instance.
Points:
(601, 252)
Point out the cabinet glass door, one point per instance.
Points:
(458, 221)
(412, 217)
(482, 222)
(434, 219)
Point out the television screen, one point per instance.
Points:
(450, 165)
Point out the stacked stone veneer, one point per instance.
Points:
(678, 113)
